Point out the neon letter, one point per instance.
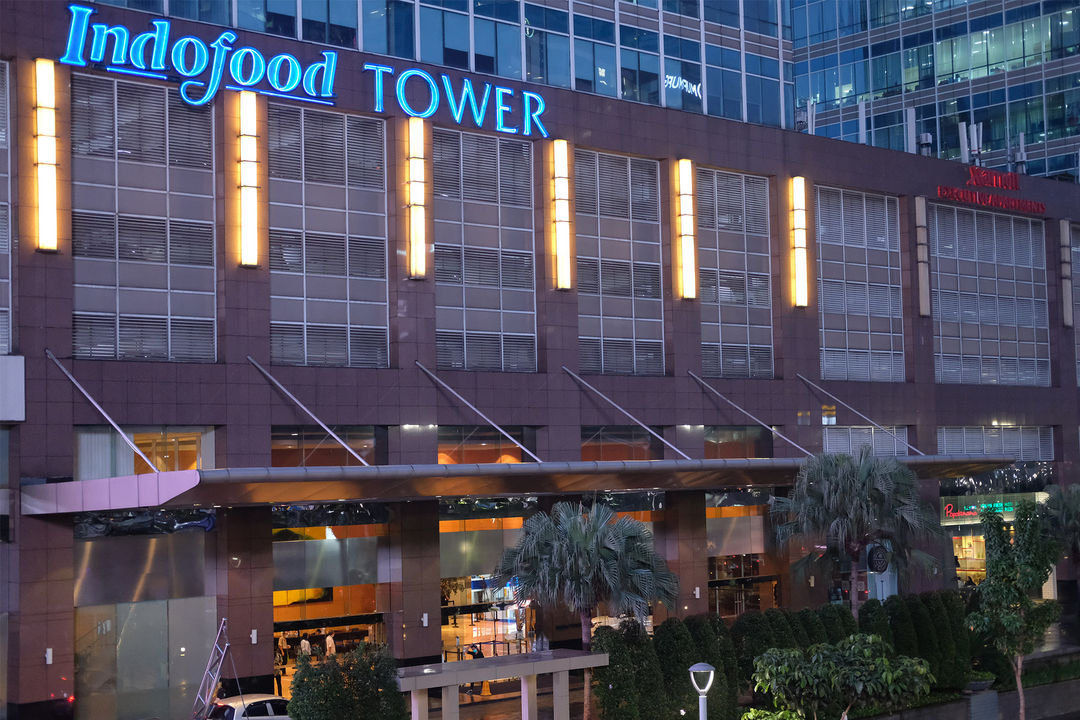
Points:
(80, 24)
(501, 108)
(434, 104)
(160, 37)
(457, 109)
(120, 42)
(258, 66)
(531, 116)
(327, 68)
(221, 50)
(273, 72)
(379, 71)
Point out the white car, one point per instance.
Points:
(237, 707)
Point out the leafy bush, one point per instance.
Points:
(731, 663)
(753, 636)
(925, 634)
(707, 647)
(848, 624)
(815, 629)
(783, 635)
(833, 622)
(615, 691)
(873, 620)
(797, 630)
(358, 685)
(830, 679)
(903, 631)
(954, 606)
(950, 674)
(676, 650)
(652, 696)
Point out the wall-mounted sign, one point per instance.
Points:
(202, 68)
(985, 199)
(964, 509)
(985, 177)
(419, 95)
(677, 82)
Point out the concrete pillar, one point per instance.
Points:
(419, 701)
(529, 710)
(560, 695)
(450, 703)
(245, 596)
(681, 540)
(410, 564)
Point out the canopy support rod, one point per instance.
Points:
(435, 379)
(760, 422)
(864, 417)
(130, 443)
(623, 410)
(273, 380)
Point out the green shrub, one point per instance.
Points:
(815, 629)
(652, 695)
(833, 622)
(925, 633)
(731, 663)
(783, 635)
(848, 624)
(708, 650)
(797, 630)
(903, 631)
(954, 606)
(873, 620)
(949, 675)
(752, 636)
(357, 685)
(615, 692)
(676, 650)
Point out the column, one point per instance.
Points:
(528, 697)
(681, 540)
(409, 583)
(418, 699)
(245, 597)
(450, 703)
(560, 695)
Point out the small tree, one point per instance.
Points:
(753, 636)
(616, 684)
(815, 629)
(783, 635)
(358, 685)
(873, 620)
(730, 664)
(859, 671)
(903, 630)
(652, 694)
(954, 606)
(677, 652)
(949, 674)
(707, 649)
(831, 620)
(1009, 613)
(925, 633)
(797, 630)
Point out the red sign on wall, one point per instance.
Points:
(985, 199)
(984, 177)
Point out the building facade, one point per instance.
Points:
(356, 315)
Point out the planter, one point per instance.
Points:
(975, 686)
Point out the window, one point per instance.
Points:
(859, 299)
(640, 76)
(620, 278)
(619, 442)
(327, 238)
(724, 12)
(734, 274)
(143, 231)
(388, 27)
(759, 16)
(307, 446)
(848, 440)
(101, 453)
(988, 300)
(330, 21)
(6, 320)
(485, 314)
(210, 12)
(444, 38)
(277, 17)
(689, 8)
(468, 444)
(594, 68)
(737, 441)
(547, 46)
(498, 48)
(1019, 442)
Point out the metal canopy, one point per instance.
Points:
(817, 387)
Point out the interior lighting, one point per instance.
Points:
(560, 197)
(248, 137)
(686, 247)
(46, 155)
(798, 237)
(416, 198)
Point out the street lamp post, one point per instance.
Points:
(706, 672)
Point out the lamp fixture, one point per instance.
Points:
(248, 137)
(560, 197)
(798, 232)
(685, 251)
(416, 198)
(45, 153)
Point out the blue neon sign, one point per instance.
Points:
(204, 66)
(422, 97)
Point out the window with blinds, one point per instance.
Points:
(142, 222)
(859, 300)
(734, 273)
(849, 439)
(991, 325)
(485, 296)
(1020, 442)
(6, 233)
(328, 289)
(620, 279)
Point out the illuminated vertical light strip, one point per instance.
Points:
(1065, 245)
(686, 247)
(560, 197)
(248, 137)
(416, 198)
(798, 232)
(46, 156)
(922, 255)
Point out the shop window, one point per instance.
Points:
(619, 442)
(737, 441)
(101, 453)
(307, 446)
(467, 444)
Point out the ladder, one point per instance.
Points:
(204, 698)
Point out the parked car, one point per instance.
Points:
(238, 707)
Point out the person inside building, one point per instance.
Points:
(305, 648)
(279, 667)
(331, 646)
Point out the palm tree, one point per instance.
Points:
(849, 503)
(582, 557)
